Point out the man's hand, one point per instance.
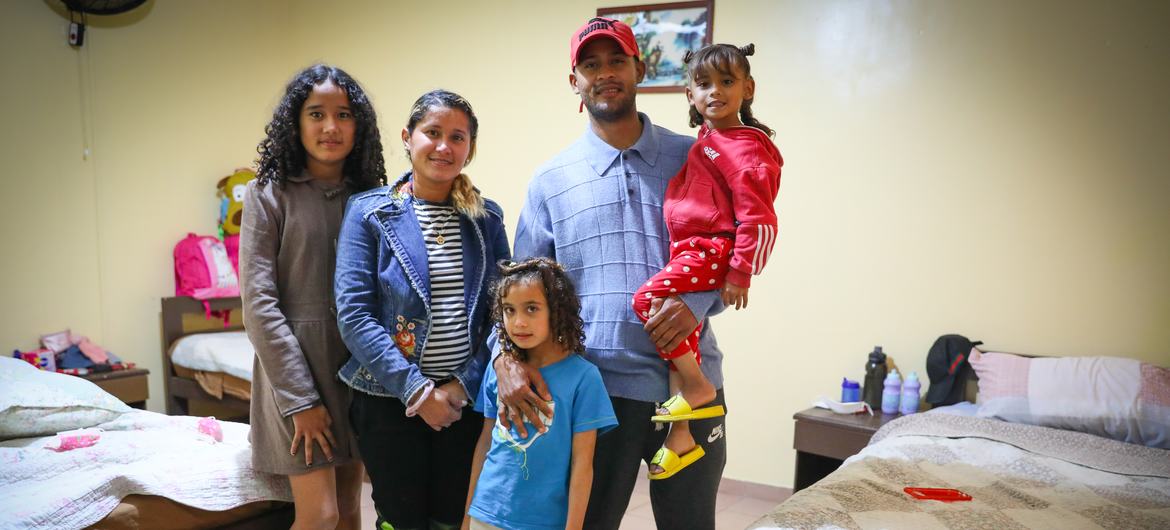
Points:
(670, 322)
(515, 381)
(733, 293)
(312, 425)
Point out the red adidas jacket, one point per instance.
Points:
(727, 188)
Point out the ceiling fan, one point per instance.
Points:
(83, 8)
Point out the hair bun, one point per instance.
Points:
(748, 50)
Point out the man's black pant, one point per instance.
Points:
(684, 501)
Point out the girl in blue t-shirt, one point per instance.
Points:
(542, 480)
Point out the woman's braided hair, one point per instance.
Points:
(464, 196)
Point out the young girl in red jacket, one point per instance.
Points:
(722, 223)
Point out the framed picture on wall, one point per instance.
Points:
(665, 32)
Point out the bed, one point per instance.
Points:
(1107, 466)
(147, 470)
(204, 360)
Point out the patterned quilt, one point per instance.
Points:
(1019, 476)
(139, 453)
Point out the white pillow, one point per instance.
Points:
(36, 403)
(1122, 399)
(226, 351)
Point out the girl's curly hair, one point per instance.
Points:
(281, 152)
(564, 319)
(725, 59)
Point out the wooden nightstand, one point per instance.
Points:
(126, 385)
(823, 439)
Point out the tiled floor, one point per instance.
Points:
(733, 511)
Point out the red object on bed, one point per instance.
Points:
(937, 494)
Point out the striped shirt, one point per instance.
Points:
(447, 345)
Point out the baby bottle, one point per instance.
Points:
(909, 402)
(891, 395)
(850, 391)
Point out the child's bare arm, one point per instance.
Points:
(735, 294)
(580, 478)
(481, 448)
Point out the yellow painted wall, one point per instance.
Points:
(48, 228)
(997, 169)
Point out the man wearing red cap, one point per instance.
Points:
(597, 209)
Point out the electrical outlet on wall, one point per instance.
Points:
(76, 34)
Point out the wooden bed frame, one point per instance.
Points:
(277, 519)
(181, 390)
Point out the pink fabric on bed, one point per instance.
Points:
(1000, 374)
(1155, 385)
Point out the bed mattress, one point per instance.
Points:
(1019, 476)
(228, 352)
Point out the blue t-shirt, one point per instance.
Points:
(525, 481)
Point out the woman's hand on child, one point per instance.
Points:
(437, 411)
(515, 383)
(734, 294)
(312, 425)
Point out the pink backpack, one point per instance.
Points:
(203, 270)
(232, 243)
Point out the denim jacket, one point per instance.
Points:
(384, 297)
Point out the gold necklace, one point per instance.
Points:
(437, 226)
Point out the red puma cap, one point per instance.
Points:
(602, 27)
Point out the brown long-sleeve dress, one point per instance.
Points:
(287, 253)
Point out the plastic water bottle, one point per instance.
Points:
(875, 375)
(850, 391)
(909, 402)
(892, 393)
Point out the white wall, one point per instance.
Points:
(993, 168)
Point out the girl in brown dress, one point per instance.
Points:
(322, 145)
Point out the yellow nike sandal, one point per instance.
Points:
(680, 410)
(671, 463)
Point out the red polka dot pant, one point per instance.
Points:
(696, 264)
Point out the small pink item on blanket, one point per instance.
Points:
(75, 439)
(210, 427)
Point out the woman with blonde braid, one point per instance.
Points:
(415, 261)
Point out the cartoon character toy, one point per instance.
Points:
(231, 193)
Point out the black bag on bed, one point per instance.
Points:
(947, 366)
